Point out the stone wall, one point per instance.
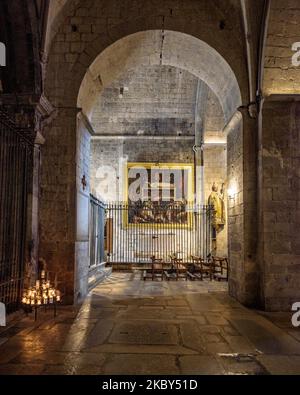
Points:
(82, 259)
(113, 152)
(280, 203)
(235, 211)
(58, 198)
(280, 76)
(156, 100)
(242, 210)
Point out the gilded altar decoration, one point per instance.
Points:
(216, 200)
(158, 193)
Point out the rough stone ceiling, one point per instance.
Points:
(145, 49)
(156, 100)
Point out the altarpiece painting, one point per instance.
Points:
(159, 193)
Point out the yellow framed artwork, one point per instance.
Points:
(158, 194)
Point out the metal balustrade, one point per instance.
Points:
(134, 233)
(15, 166)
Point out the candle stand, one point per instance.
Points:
(42, 294)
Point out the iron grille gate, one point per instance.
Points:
(15, 164)
(97, 223)
(136, 232)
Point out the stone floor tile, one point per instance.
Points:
(240, 344)
(40, 357)
(142, 349)
(217, 348)
(84, 360)
(21, 369)
(99, 333)
(144, 333)
(141, 364)
(191, 336)
(242, 366)
(266, 337)
(200, 365)
(281, 364)
(129, 326)
(212, 338)
(215, 319)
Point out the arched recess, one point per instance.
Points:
(83, 34)
(72, 54)
(169, 48)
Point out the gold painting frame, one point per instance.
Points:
(161, 166)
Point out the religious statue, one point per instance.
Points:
(216, 200)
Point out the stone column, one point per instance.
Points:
(82, 258)
(242, 228)
(58, 199)
(279, 203)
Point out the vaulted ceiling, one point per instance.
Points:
(157, 100)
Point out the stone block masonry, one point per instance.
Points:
(280, 210)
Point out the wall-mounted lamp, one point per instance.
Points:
(232, 192)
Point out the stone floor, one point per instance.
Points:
(127, 326)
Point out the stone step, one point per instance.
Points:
(98, 275)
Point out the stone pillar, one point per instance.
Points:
(33, 204)
(58, 199)
(279, 203)
(82, 259)
(242, 227)
(65, 198)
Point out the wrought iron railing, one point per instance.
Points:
(15, 167)
(97, 228)
(136, 232)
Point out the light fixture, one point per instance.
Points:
(232, 191)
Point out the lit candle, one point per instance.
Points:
(37, 284)
(43, 274)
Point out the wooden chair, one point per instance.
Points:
(201, 267)
(221, 268)
(180, 269)
(177, 270)
(157, 268)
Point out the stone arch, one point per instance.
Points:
(88, 32)
(73, 52)
(162, 48)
